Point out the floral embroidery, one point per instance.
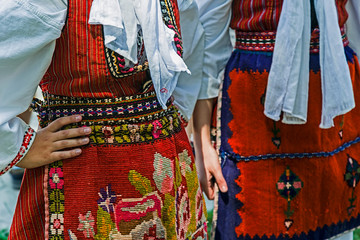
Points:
(276, 140)
(163, 173)
(171, 125)
(185, 162)
(56, 178)
(134, 133)
(157, 128)
(341, 132)
(151, 216)
(289, 186)
(141, 183)
(352, 177)
(108, 134)
(182, 212)
(107, 199)
(56, 200)
(56, 224)
(86, 224)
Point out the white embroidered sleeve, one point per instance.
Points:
(215, 18)
(28, 31)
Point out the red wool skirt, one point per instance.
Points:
(135, 180)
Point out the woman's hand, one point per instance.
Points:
(209, 171)
(207, 160)
(52, 144)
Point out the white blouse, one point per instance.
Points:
(28, 31)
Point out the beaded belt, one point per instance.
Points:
(265, 41)
(125, 120)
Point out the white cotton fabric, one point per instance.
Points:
(207, 48)
(28, 31)
(165, 64)
(353, 25)
(288, 83)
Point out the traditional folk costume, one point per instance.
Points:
(296, 178)
(116, 63)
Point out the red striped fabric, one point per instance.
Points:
(264, 15)
(29, 217)
(81, 68)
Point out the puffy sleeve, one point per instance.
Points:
(353, 24)
(28, 31)
(215, 16)
(207, 47)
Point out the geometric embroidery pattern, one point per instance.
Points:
(289, 186)
(130, 109)
(28, 137)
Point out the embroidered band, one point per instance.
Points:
(127, 120)
(129, 109)
(265, 41)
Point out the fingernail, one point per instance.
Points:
(87, 130)
(223, 188)
(77, 151)
(85, 140)
(77, 118)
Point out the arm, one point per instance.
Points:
(215, 19)
(207, 161)
(28, 32)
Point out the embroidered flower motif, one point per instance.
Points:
(185, 162)
(341, 133)
(56, 178)
(107, 199)
(108, 134)
(56, 224)
(352, 177)
(183, 212)
(163, 173)
(171, 125)
(134, 133)
(86, 224)
(157, 128)
(289, 186)
(352, 174)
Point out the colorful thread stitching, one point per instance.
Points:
(28, 137)
(237, 157)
